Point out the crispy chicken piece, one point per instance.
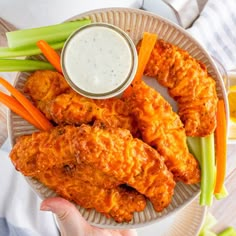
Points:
(188, 83)
(120, 115)
(115, 152)
(161, 128)
(119, 203)
(112, 151)
(50, 157)
(45, 85)
(60, 103)
(49, 150)
(72, 108)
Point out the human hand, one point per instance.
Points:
(71, 223)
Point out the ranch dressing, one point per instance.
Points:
(99, 61)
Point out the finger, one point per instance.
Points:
(129, 232)
(69, 219)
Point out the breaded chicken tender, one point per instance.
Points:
(188, 83)
(53, 96)
(50, 158)
(111, 152)
(45, 85)
(161, 128)
(118, 202)
(116, 153)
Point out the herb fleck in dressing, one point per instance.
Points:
(98, 59)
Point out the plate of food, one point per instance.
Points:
(123, 161)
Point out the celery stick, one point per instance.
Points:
(222, 194)
(8, 65)
(207, 170)
(51, 34)
(207, 233)
(230, 231)
(194, 146)
(209, 222)
(25, 51)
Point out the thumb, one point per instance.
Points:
(70, 221)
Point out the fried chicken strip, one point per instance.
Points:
(53, 96)
(188, 83)
(116, 153)
(72, 108)
(161, 128)
(43, 86)
(50, 158)
(112, 151)
(119, 202)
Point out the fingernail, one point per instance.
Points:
(45, 208)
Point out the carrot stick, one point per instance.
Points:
(16, 107)
(221, 149)
(50, 54)
(147, 45)
(35, 113)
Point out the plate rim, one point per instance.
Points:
(203, 212)
(202, 209)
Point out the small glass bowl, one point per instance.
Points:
(103, 75)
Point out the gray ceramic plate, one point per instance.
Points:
(134, 22)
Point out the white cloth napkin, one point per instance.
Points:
(215, 29)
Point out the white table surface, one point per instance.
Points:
(50, 12)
